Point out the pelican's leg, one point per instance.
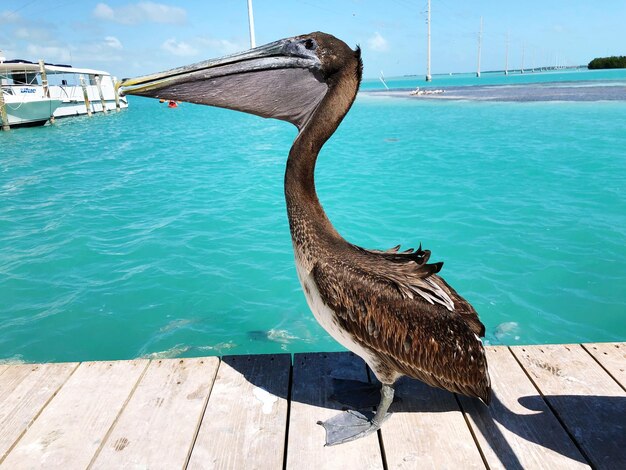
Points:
(355, 393)
(351, 425)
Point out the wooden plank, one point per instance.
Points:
(427, 430)
(512, 435)
(612, 356)
(244, 422)
(310, 402)
(158, 425)
(591, 405)
(24, 391)
(70, 429)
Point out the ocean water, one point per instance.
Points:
(160, 232)
(607, 76)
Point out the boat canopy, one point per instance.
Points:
(8, 67)
(18, 67)
(67, 69)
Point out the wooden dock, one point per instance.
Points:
(555, 407)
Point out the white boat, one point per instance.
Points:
(25, 103)
(34, 93)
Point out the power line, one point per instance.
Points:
(20, 8)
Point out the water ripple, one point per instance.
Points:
(158, 234)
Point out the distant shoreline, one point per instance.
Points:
(550, 91)
(510, 72)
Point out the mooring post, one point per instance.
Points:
(3, 113)
(44, 84)
(85, 95)
(104, 105)
(116, 93)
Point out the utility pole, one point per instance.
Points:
(428, 76)
(251, 22)
(480, 40)
(506, 55)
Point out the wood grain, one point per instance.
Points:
(612, 356)
(71, 428)
(515, 436)
(311, 402)
(245, 420)
(427, 430)
(24, 391)
(588, 401)
(159, 424)
(554, 406)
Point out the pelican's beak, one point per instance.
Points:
(282, 80)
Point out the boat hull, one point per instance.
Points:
(30, 113)
(77, 107)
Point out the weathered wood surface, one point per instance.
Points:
(160, 421)
(515, 436)
(559, 406)
(588, 401)
(612, 356)
(24, 391)
(244, 422)
(427, 430)
(69, 431)
(311, 402)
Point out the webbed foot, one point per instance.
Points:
(349, 426)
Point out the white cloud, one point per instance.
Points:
(49, 53)
(113, 42)
(7, 17)
(378, 43)
(109, 49)
(141, 12)
(32, 33)
(178, 48)
(104, 12)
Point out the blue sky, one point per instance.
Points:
(129, 38)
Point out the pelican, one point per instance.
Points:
(390, 307)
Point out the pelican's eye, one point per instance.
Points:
(310, 44)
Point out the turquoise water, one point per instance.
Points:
(614, 76)
(157, 232)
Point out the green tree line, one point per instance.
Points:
(613, 62)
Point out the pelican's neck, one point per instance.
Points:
(307, 218)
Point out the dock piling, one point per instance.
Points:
(98, 85)
(116, 93)
(44, 84)
(3, 113)
(85, 95)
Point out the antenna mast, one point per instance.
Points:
(251, 23)
(428, 76)
(506, 55)
(480, 41)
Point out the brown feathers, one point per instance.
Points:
(409, 336)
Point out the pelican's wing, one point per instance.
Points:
(409, 336)
(413, 276)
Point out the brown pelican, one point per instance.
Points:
(389, 307)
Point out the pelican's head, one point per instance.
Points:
(286, 79)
